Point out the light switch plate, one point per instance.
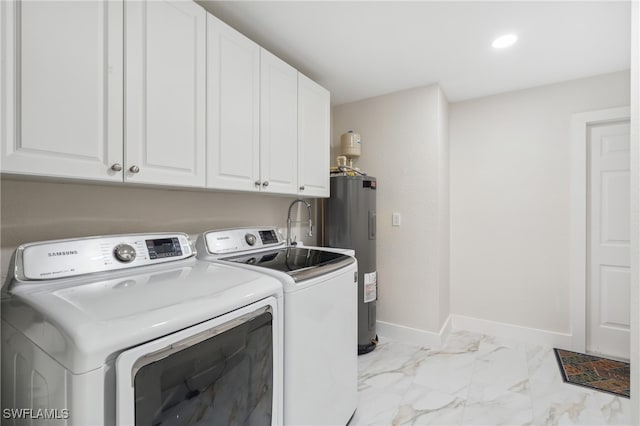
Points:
(396, 219)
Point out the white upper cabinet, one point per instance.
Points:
(61, 101)
(278, 125)
(165, 92)
(313, 138)
(67, 116)
(233, 109)
(154, 92)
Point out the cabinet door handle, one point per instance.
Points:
(265, 183)
(134, 169)
(257, 183)
(302, 188)
(117, 167)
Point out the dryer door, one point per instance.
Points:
(222, 371)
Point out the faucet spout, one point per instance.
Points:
(310, 225)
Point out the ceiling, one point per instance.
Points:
(367, 48)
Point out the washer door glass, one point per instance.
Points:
(225, 379)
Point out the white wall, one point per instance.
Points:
(510, 200)
(36, 211)
(404, 146)
(635, 212)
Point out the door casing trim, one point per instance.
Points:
(578, 269)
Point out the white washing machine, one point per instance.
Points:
(133, 329)
(320, 319)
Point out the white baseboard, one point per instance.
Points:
(413, 336)
(534, 336)
(433, 340)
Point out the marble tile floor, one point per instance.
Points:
(476, 380)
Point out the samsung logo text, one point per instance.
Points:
(62, 253)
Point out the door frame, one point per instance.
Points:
(580, 124)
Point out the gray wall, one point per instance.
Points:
(36, 211)
(511, 200)
(405, 146)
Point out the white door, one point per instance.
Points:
(61, 100)
(233, 109)
(313, 138)
(608, 292)
(278, 125)
(165, 92)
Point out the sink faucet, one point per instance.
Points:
(310, 233)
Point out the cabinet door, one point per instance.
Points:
(165, 92)
(278, 125)
(313, 138)
(61, 100)
(233, 109)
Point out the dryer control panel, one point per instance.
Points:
(69, 258)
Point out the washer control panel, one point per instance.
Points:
(237, 240)
(69, 258)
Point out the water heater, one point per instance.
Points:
(350, 222)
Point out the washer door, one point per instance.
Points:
(222, 371)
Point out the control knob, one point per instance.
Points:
(250, 239)
(124, 253)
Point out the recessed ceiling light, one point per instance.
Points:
(504, 41)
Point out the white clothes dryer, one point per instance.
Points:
(320, 318)
(133, 329)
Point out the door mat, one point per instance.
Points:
(594, 372)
